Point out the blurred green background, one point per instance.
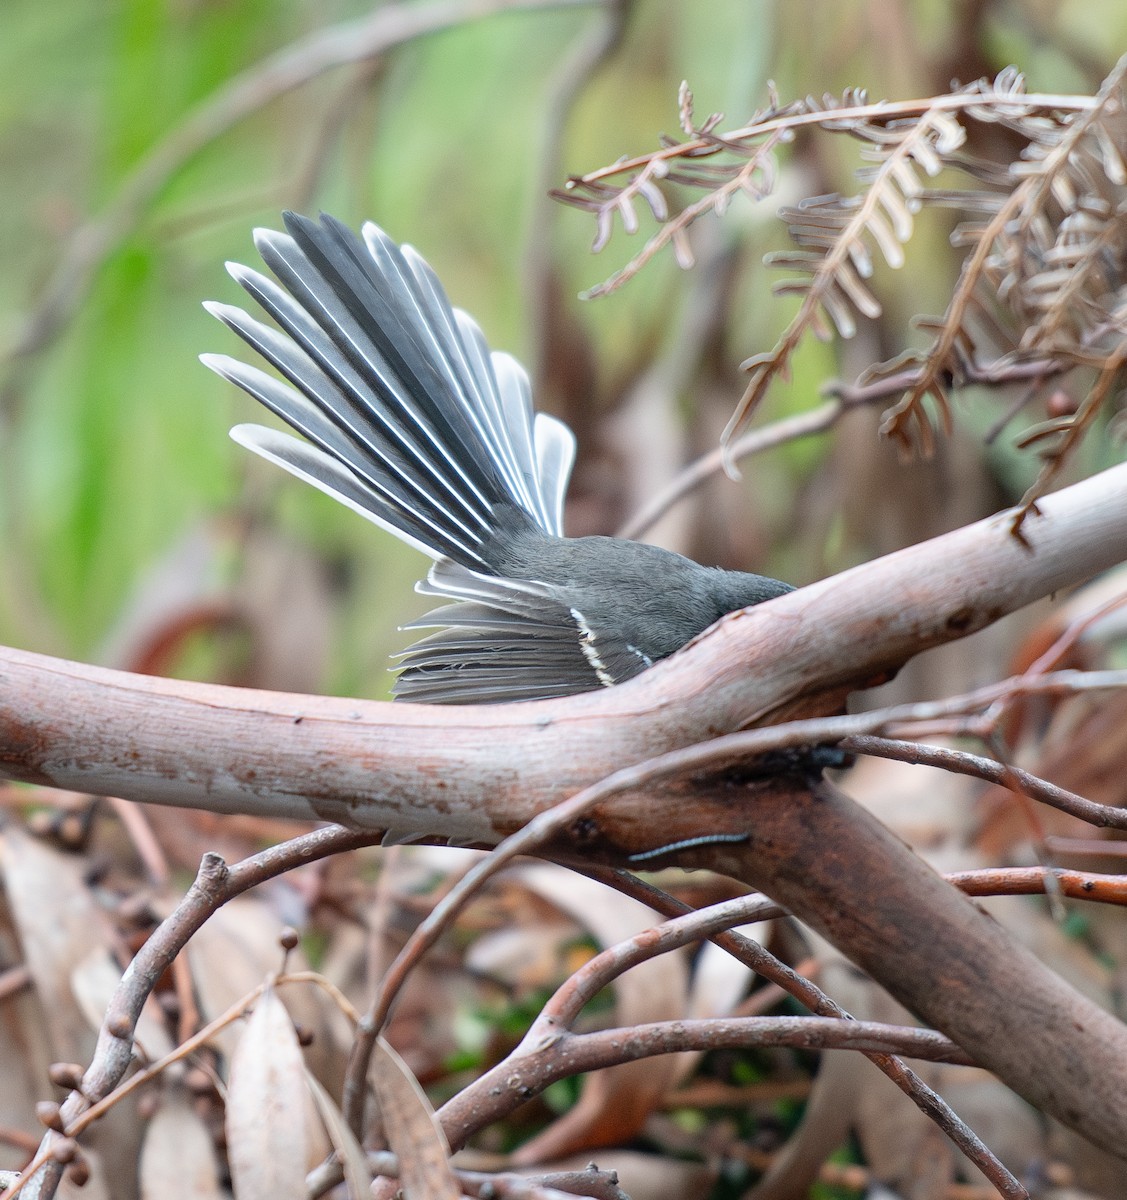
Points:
(133, 531)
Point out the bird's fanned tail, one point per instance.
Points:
(412, 422)
(408, 418)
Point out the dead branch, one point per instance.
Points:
(215, 884)
(1040, 282)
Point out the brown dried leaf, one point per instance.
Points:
(58, 922)
(411, 1128)
(903, 1146)
(614, 1103)
(24, 1051)
(357, 1177)
(267, 1134)
(178, 1157)
(94, 981)
(102, 1183)
(230, 955)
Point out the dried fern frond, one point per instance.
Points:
(1076, 294)
(835, 233)
(1043, 284)
(752, 173)
(1064, 206)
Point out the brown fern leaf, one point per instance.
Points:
(1078, 293)
(1042, 287)
(1064, 434)
(755, 177)
(835, 233)
(1049, 253)
(721, 166)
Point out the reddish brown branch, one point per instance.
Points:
(1037, 881)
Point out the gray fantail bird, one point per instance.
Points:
(412, 422)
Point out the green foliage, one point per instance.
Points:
(112, 437)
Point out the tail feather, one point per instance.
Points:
(343, 395)
(555, 456)
(329, 475)
(380, 453)
(515, 417)
(372, 325)
(413, 422)
(500, 639)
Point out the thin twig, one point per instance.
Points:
(883, 110)
(961, 762)
(215, 885)
(843, 396)
(716, 461)
(716, 755)
(1098, 887)
(758, 959)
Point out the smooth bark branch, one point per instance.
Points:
(479, 772)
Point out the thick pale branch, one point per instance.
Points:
(477, 772)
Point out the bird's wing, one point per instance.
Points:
(503, 640)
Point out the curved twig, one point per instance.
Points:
(215, 884)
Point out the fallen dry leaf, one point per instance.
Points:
(411, 1129)
(267, 1133)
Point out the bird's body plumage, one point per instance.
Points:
(414, 423)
